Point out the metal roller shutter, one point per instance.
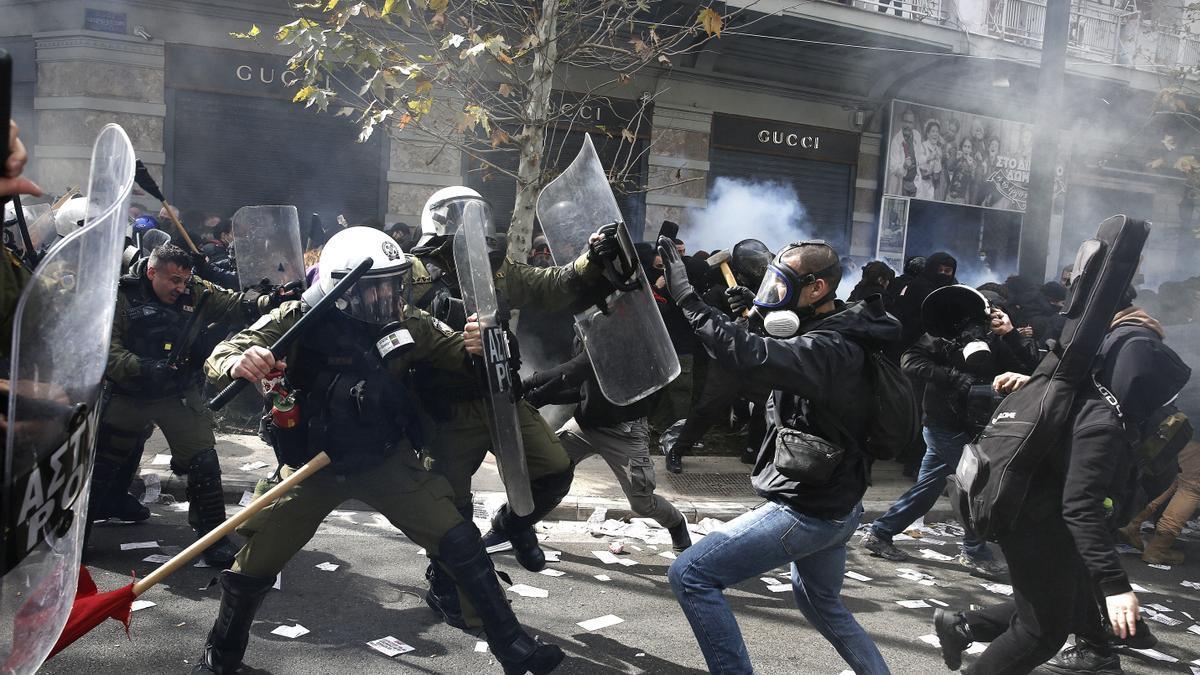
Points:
(825, 188)
(234, 151)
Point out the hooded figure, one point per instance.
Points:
(938, 272)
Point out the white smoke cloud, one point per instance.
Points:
(743, 209)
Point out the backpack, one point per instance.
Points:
(991, 485)
(894, 421)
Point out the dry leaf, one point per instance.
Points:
(711, 21)
(628, 136)
(1168, 142)
(304, 93)
(1186, 164)
(505, 89)
(1155, 163)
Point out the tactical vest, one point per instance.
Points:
(351, 405)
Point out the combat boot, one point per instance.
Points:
(675, 457)
(442, 596)
(524, 541)
(1132, 534)
(1159, 551)
(241, 596)
(461, 551)
(1084, 659)
(681, 539)
(954, 635)
(110, 498)
(206, 505)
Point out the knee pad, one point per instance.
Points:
(460, 543)
(204, 465)
(552, 488)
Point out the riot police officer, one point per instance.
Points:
(347, 376)
(153, 379)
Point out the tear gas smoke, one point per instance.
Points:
(743, 209)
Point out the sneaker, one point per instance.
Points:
(986, 568)
(951, 629)
(883, 549)
(1081, 659)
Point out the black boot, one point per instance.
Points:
(524, 541)
(461, 552)
(206, 505)
(241, 596)
(110, 496)
(954, 634)
(675, 457)
(681, 539)
(442, 596)
(1086, 659)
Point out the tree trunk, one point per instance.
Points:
(533, 136)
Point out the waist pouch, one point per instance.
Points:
(804, 457)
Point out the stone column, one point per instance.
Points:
(864, 227)
(679, 160)
(86, 80)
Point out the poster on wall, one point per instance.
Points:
(893, 231)
(960, 158)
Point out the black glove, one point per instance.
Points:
(199, 263)
(539, 391)
(606, 248)
(739, 298)
(289, 291)
(678, 286)
(156, 375)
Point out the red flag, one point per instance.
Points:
(92, 608)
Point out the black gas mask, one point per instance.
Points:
(960, 315)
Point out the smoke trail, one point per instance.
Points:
(742, 209)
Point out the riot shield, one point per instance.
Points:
(53, 408)
(479, 297)
(626, 341)
(267, 240)
(152, 239)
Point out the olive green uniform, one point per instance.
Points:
(13, 277)
(418, 502)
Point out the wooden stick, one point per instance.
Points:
(731, 281)
(179, 226)
(186, 555)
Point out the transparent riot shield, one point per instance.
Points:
(59, 349)
(626, 341)
(267, 241)
(152, 239)
(479, 297)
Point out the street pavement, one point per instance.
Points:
(377, 589)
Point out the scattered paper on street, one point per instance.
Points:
(606, 557)
(1000, 589)
(526, 591)
(552, 556)
(552, 573)
(1159, 567)
(1194, 629)
(912, 604)
(292, 632)
(669, 555)
(1164, 619)
(278, 582)
(600, 622)
(931, 640)
(1140, 589)
(140, 605)
(390, 646)
(1156, 655)
(939, 603)
(627, 562)
(1194, 585)
(160, 460)
(481, 646)
(779, 588)
(153, 488)
(977, 648)
(157, 558)
(247, 497)
(933, 541)
(1159, 608)
(601, 577)
(328, 566)
(934, 555)
(856, 576)
(134, 545)
(253, 466)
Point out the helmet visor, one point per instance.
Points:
(776, 289)
(379, 300)
(449, 214)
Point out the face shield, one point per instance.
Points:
(380, 299)
(781, 284)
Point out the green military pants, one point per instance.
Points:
(419, 503)
(185, 422)
(460, 444)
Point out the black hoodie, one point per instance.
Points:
(908, 303)
(814, 377)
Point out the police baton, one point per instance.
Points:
(285, 341)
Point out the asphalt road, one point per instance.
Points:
(377, 591)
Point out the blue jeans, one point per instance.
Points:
(756, 543)
(944, 449)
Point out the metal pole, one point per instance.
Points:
(1035, 226)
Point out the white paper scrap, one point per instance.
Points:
(552, 556)
(1140, 589)
(1195, 630)
(160, 460)
(328, 566)
(1000, 589)
(481, 646)
(390, 646)
(292, 632)
(278, 582)
(253, 466)
(1159, 608)
(856, 576)
(976, 648)
(779, 588)
(600, 622)
(157, 558)
(669, 555)
(1194, 585)
(1164, 619)
(939, 603)
(602, 577)
(552, 573)
(140, 605)
(1156, 655)
(912, 604)
(134, 545)
(1159, 567)
(931, 640)
(934, 555)
(526, 591)
(607, 557)
(247, 497)
(153, 488)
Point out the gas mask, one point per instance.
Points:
(394, 340)
(961, 315)
(780, 291)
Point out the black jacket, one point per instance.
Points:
(575, 382)
(1100, 461)
(911, 296)
(818, 386)
(940, 365)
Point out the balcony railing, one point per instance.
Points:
(1095, 30)
(1173, 47)
(933, 11)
